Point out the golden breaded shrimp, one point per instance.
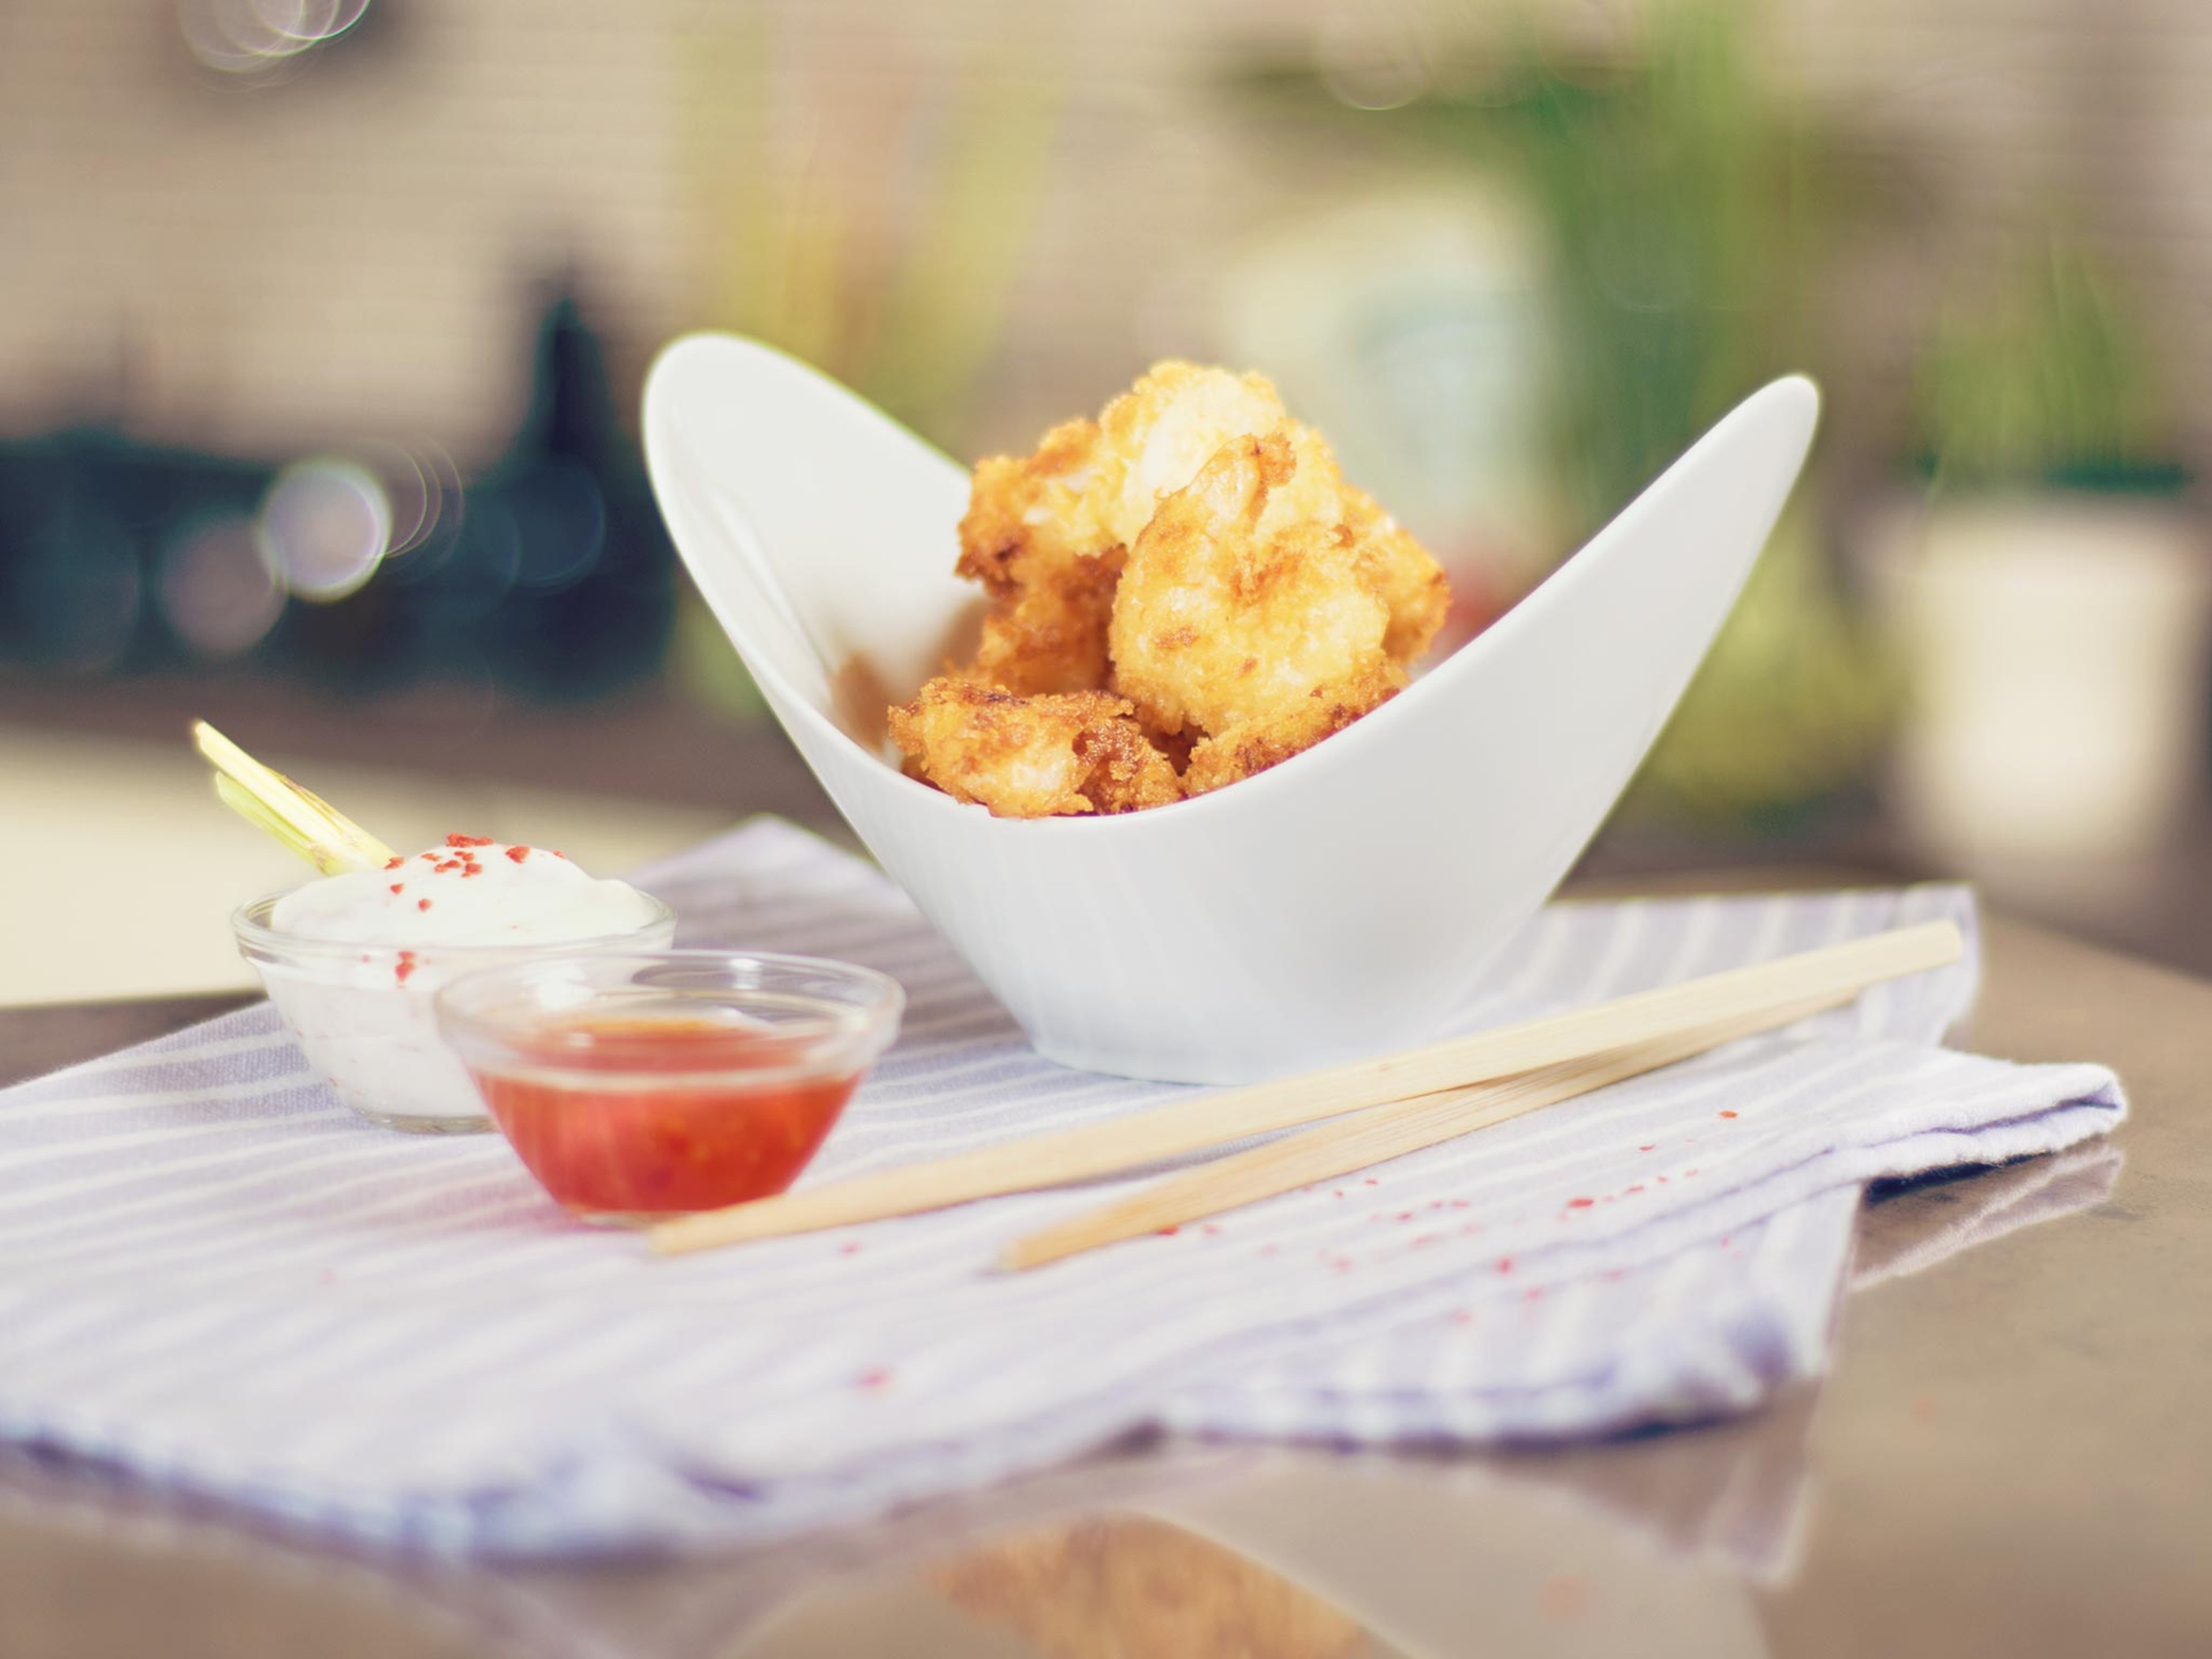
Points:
(1031, 540)
(1412, 585)
(1218, 623)
(1258, 745)
(1031, 757)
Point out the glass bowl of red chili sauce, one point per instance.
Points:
(659, 1083)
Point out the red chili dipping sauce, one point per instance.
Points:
(631, 1115)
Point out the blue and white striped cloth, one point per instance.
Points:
(212, 1275)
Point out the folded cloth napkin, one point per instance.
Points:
(214, 1275)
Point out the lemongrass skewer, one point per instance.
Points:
(299, 818)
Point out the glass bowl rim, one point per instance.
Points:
(257, 940)
(855, 1033)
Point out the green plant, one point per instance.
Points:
(1685, 211)
(882, 246)
(2045, 381)
(1690, 216)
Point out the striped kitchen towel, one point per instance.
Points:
(214, 1276)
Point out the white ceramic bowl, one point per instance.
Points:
(1344, 903)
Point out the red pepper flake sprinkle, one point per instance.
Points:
(518, 854)
(1728, 1114)
(1169, 1230)
(1372, 1181)
(850, 1247)
(874, 1378)
(406, 967)
(1653, 1147)
(468, 841)
(1405, 1215)
(558, 853)
(1580, 1203)
(394, 862)
(473, 870)
(398, 886)
(1505, 1264)
(422, 904)
(1637, 1186)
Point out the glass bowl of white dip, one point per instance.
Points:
(352, 962)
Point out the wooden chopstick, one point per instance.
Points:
(1374, 1136)
(1098, 1149)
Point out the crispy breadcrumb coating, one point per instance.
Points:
(1258, 745)
(1218, 623)
(1032, 756)
(1197, 553)
(1032, 539)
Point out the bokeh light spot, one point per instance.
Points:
(249, 36)
(324, 528)
(220, 598)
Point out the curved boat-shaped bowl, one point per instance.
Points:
(1344, 903)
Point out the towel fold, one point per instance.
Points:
(215, 1277)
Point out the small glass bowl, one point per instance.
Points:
(363, 1013)
(651, 1084)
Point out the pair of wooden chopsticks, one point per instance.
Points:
(1379, 1109)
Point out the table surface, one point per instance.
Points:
(2012, 1455)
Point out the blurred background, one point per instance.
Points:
(322, 325)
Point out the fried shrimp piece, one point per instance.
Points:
(1411, 584)
(1154, 439)
(1045, 532)
(1258, 745)
(1156, 436)
(1032, 538)
(1183, 593)
(1032, 756)
(1219, 622)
